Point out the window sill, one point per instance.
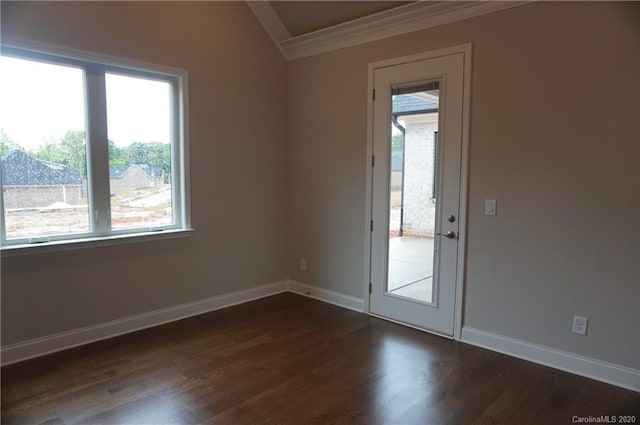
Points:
(74, 244)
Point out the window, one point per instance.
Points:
(90, 150)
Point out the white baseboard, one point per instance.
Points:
(49, 344)
(326, 295)
(591, 368)
(610, 373)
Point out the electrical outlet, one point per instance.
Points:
(303, 265)
(580, 325)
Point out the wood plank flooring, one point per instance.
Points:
(287, 359)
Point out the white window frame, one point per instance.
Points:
(95, 67)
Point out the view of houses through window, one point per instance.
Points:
(139, 172)
(44, 158)
(46, 179)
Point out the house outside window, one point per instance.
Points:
(90, 149)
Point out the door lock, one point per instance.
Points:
(450, 234)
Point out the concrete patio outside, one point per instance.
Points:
(411, 267)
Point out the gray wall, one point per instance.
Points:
(554, 138)
(236, 75)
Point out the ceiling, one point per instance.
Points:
(302, 17)
(310, 27)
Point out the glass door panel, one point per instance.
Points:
(413, 191)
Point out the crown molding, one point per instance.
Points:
(401, 20)
(270, 21)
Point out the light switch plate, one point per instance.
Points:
(490, 207)
(580, 325)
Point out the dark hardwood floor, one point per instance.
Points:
(287, 359)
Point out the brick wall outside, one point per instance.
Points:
(133, 178)
(40, 196)
(419, 210)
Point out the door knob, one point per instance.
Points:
(450, 234)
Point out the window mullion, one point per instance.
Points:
(98, 150)
(176, 157)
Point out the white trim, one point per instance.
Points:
(37, 347)
(431, 54)
(88, 56)
(591, 368)
(610, 373)
(185, 146)
(269, 20)
(326, 295)
(368, 204)
(401, 20)
(93, 242)
(464, 183)
(62, 341)
(464, 169)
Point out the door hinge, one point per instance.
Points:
(374, 95)
(373, 160)
(372, 225)
(370, 287)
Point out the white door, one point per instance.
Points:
(417, 147)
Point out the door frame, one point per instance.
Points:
(465, 49)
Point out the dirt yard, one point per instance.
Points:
(146, 207)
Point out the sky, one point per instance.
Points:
(40, 102)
